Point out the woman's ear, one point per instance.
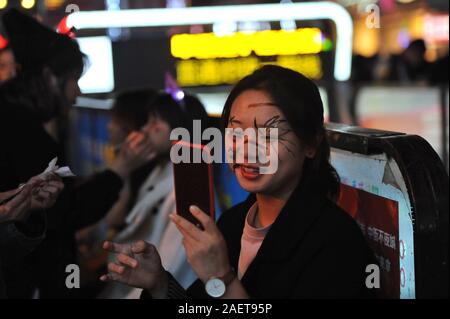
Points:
(311, 150)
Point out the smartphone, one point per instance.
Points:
(194, 183)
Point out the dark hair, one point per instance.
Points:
(196, 111)
(299, 99)
(32, 91)
(32, 87)
(418, 45)
(168, 110)
(131, 108)
(179, 113)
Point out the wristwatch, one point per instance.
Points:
(217, 286)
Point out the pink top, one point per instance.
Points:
(251, 240)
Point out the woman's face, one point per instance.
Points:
(7, 65)
(72, 89)
(256, 109)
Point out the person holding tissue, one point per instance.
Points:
(22, 226)
(46, 85)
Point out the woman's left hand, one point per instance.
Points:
(46, 191)
(206, 249)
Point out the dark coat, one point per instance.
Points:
(17, 240)
(313, 250)
(25, 151)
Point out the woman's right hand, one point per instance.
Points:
(138, 265)
(136, 151)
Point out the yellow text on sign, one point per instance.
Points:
(242, 44)
(229, 71)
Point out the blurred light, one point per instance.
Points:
(172, 88)
(114, 5)
(287, 24)
(222, 29)
(53, 4)
(436, 28)
(99, 77)
(404, 38)
(63, 28)
(179, 95)
(366, 40)
(28, 4)
(252, 26)
(3, 4)
(210, 15)
(213, 102)
(327, 45)
(240, 44)
(387, 5)
(176, 4)
(3, 42)
(230, 71)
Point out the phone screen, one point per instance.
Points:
(194, 184)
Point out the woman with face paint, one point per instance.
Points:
(288, 239)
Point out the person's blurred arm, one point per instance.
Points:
(93, 198)
(117, 214)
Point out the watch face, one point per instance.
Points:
(215, 288)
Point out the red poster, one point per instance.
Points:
(378, 219)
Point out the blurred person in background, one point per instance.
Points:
(7, 64)
(411, 65)
(50, 65)
(149, 218)
(439, 71)
(128, 114)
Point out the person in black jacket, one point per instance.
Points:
(288, 239)
(50, 66)
(22, 224)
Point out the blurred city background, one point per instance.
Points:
(379, 63)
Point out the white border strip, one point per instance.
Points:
(209, 15)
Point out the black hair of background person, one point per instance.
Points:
(410, 65)
(45, 48)
(180, 113)
(37, 48)
(131, 107)
(196, 111)
(27, 149)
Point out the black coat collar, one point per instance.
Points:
(295, 220)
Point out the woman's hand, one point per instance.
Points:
(138, 265)
(206, 249)
(19, 207)
(135, 152)
(45, 191)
